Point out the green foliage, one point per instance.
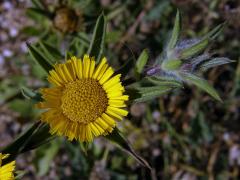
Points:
(45, 155)
(214, 62)
(39, 58)
(96, 47)
(202, 84)
(195, 49)
(118, 139)
(141, 61)
(176, 133)
(176, 32)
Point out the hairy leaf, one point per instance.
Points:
(214, 62)
(175, 33)
(202, 84)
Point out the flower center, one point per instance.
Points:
(84, 100)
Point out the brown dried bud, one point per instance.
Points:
(67, 20)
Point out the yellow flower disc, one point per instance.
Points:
(6, 171)
(85, 99)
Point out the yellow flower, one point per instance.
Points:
(6, 171)
(85, 99)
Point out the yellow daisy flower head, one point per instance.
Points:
(6, 171)
(85, 99)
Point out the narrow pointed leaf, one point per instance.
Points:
(202, 44)
(202, 84)
(215, 32)
(38, 138)
(29, 94)
(118, 139)
(41, 12)
(175, 33)
(97, 43)
(39, 58)
(18, 145)
(141, 61)
(160, 82)
(150, 93)
(214, 62)
(195, 49)
(51, 52)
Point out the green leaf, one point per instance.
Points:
(171, 64)
(202, 44)
(141, 61)
(215, 32)
(23, 107)
(194, 49)
(18, 145)
(84, 39)
(142, 94)
(202, 84)
(214, 62)
(96, 47)
(41, 12)
(31, 31)
(118, 139)
(162, 82)
(50, 52)
(39, 137)
(39, 58)
(29, 94)
(45, 155)
(176, 31)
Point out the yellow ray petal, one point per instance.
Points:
(86, 66)
(94, 130)
(113, 114)
(119, 111)
(92, 67)
(124, 97)
(102, 123)
(99, 67)
(109, 72)
(111, 82)
(108, 120)
(102, 71)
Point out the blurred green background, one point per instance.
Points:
(183, 135)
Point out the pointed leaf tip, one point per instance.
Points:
(176, 31)
(202, 84)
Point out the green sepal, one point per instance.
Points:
(171, 64)
(194, 49)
